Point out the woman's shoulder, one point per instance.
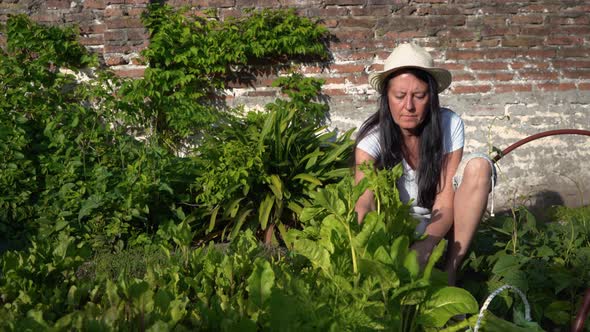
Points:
(450, 118)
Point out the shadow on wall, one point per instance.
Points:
(539, 203)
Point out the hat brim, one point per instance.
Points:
(442, 77)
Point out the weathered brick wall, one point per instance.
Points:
(526, 59)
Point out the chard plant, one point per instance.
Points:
(373, 261)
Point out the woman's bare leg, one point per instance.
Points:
(471, 199)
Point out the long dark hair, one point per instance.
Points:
(390, 138)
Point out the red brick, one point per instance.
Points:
(138, 61)
(357, 23)
(568, 64)
(486, 43)
(300, 3)
(536, 30)
(438, 10)
(92, 40)
(575, 30)
(94, 4)
(115, 61)
(452, 66)
(46, 18)
(312, 70)
(257, 4)
(500, 54)
(92, 28)
(345, 2)
(335, 80)
(123, 22)
(327, 12)
(261, 93)
(485, 65)
(338, 46)
(329, 23)
(356, 56)
(498, 30)
(540, 8)
(529, 64)
(225, 13)
(565, 40)
(124, 48)
(126, 2)
(353, 34)
(387, 2)
(462, 76)
(577, 74)
(334, 92)
(584, 86)
(137, 34)
(503, 88)
(111, 35)
(375, 11)
(466, 55)
(577, 52)
(456, 34)
(527, 19)
(537, 75)
(503, 9)
(57, 4)
(359, 80)
(580, 20)
(463, 89)
(495, 76)
(347, 68)
(538, 53)
(556, 86)
(397, 35)
(129, 72)
(523, 41)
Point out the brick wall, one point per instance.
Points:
(526, 59)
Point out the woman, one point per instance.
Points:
(411, 128)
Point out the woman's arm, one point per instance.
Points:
(366, 202)
(442, 210)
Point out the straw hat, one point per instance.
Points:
(410, 56)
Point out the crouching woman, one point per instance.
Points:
(448, 193)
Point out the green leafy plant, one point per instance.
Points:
(373, 262)
(261, 171)
(546, 260)
(191, 60)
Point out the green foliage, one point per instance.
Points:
(239, 287)
(371, 265)
(261, 170)
(192, 59)
(548, 261)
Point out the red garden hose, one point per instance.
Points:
(540, 135)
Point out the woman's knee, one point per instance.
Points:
(478, 170)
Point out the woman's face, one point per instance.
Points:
(408, 101)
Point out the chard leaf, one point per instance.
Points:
(445, 303)
(260, 283)
(317, 255)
